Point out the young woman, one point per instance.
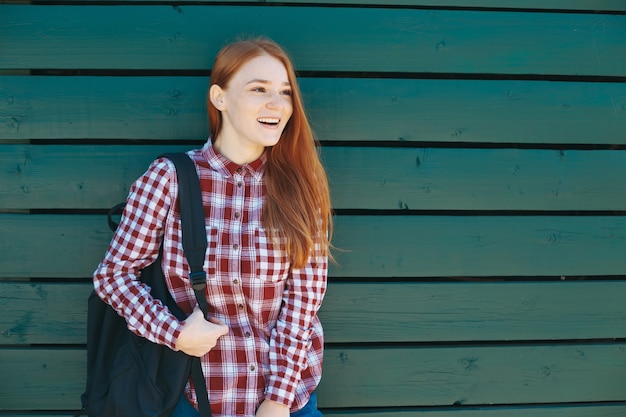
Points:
(268, 225)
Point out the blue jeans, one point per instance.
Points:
(184, 409)
(310, 409)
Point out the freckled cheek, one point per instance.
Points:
(288, 109)
(252, 102)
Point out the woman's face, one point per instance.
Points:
(256, 104)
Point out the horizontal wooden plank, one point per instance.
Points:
(475, 179)
(560, 5)
(345, 109)
(91, 176)
(55, 313)
(81, 176)
(42, 378)
(348, 39)
(368, 377)
(409, 312)
(405, 246)
(103, 107)
(473, 375)
(492, 111)
(41, 313)
(602, 410)
(555, 5)
(479, 246)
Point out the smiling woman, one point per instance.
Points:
(267, 208)
(254, 108)
(255, 80)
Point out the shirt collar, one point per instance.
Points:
(226, 167)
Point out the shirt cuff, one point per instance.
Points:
(171, 334)
(281, 389)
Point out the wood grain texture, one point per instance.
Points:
(383, 377)
(329, 39)
(72, 176)
(70, 246)
(473, 375)
(443, 312)
(555, 5)
(601, 410)
(98, 177)
(558, 5)
(55, 313)
(42, 313)
(475, 179)
(479, 246)
(340, 109)
(49, 107)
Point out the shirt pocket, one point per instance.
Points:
(271, 263)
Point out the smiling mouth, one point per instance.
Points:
(269, 121)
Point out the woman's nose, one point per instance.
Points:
(275, 100)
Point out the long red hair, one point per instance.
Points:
(298, 198)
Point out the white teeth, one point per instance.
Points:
(270, 120)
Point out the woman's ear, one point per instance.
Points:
(216, 95)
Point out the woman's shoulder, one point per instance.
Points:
(156, 179)
(164, 166)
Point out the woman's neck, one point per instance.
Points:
(235, 151)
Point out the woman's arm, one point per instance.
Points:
(134, 246)
(290, 339)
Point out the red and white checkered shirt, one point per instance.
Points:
(275, 342)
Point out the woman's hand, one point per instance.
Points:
(198, 336)
(270, 408)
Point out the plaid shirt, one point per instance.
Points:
(275, 342)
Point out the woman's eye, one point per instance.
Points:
(258, 89)
(286, 92)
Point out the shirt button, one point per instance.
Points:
(240, 170)
(247, 334)
(252, 367)
(239, 184)
(235, 281)
(237, 214)
(240, 306)
(235, 246)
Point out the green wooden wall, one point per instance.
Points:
(477, 156)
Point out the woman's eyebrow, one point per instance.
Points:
(258, 80)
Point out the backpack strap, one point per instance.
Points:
(194, 246)
(115, 210)
(192, 222)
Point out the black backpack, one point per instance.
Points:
(127, 375)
